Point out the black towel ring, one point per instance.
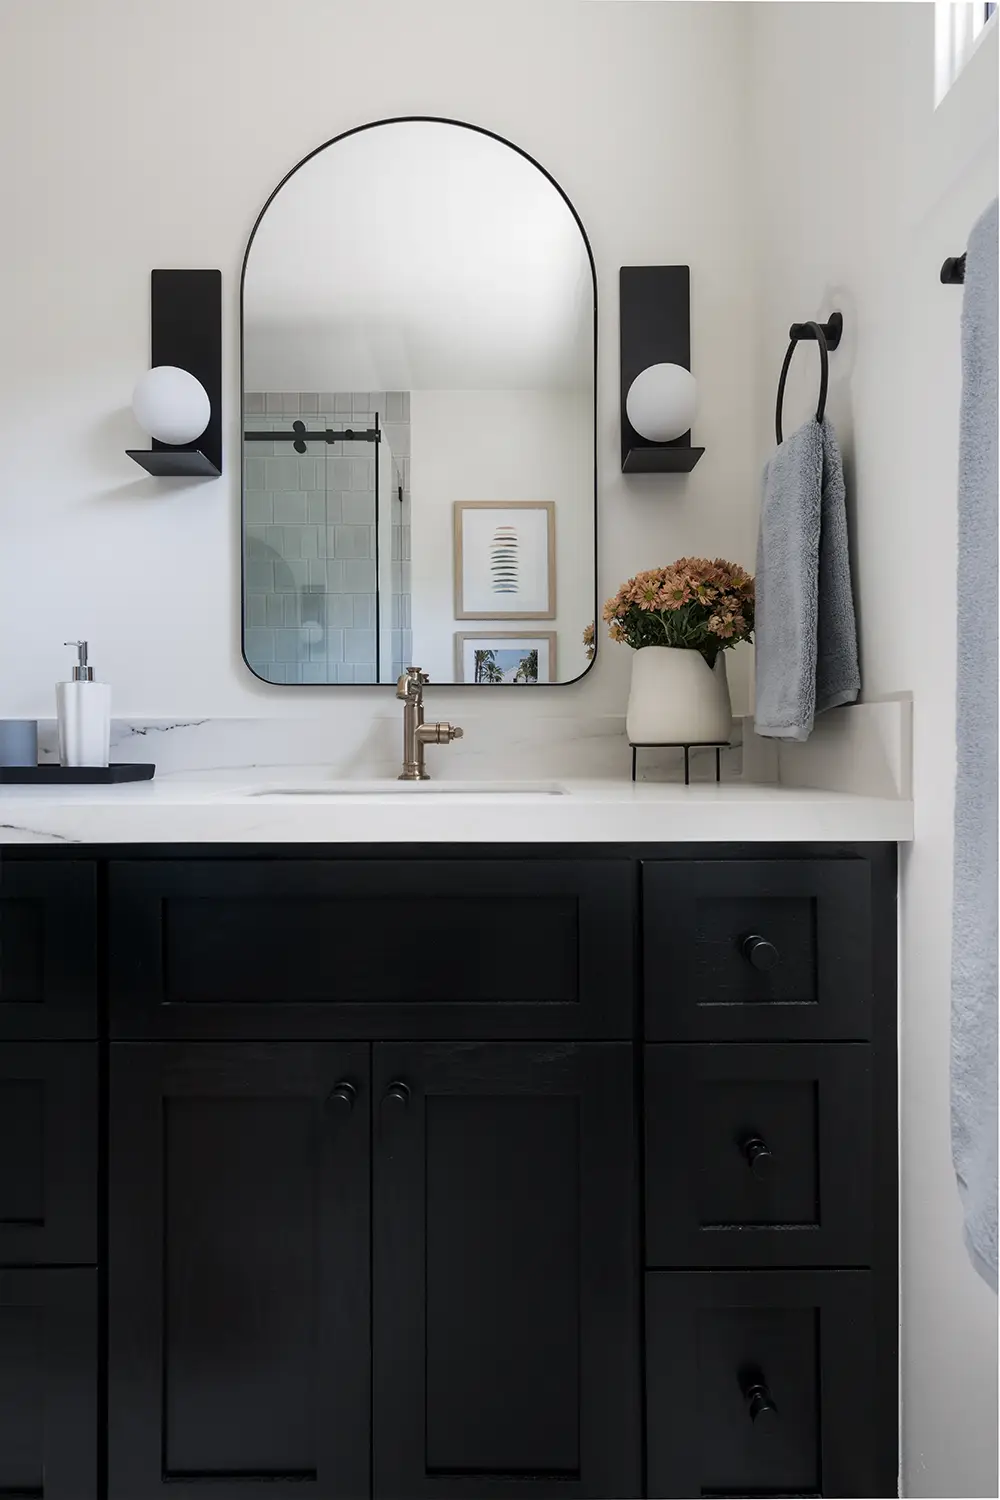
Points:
(827, 336)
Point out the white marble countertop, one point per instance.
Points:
(242, 808)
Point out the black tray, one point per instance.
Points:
(74, 775)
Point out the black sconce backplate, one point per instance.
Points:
(185, 323)
(655, 329)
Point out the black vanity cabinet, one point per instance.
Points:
(363, 1175)
(49, 1180)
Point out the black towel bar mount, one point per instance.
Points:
(953, 270)
(827, 335)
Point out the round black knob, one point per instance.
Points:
(759, 1158)
(344, 1094)
(759, 952)
(397, 1094)
(760, 1403)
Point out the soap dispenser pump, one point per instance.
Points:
(83, 709)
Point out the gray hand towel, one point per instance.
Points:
(806, 642)
(974, 927)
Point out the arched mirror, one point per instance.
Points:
(418, 324)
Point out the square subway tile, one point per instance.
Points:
(259, 645)
(282, 474)
(359, 645)
(358, 508)
(364, 611)
(273, 612)
(353, 542)
(359, 578)
(315, 673)
(258, 508)
(340, 611)
(287, 644)
(290, 509)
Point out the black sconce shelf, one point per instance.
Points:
(166, 461)
(660, 458)
(654, 328)
(185, 329)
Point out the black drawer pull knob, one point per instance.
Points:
(760, 953)
(344, 1094)
(758, 1156)
(760, 1402)
(397, 1094)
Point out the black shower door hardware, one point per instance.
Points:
(298, 436)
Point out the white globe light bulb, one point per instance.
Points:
(661, 402)
(171, 405)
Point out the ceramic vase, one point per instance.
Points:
(676, 698)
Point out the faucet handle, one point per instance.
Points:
(410, 684)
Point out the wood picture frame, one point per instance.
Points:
(504, 567)
(529, 640)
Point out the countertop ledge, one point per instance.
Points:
(191, 810)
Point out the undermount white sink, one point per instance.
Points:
(368, 789)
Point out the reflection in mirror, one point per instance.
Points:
(418, 396)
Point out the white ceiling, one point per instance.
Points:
(418, 256)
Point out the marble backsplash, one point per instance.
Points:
(549, 746)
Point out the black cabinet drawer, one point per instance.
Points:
(48, 949)
(758, 950)
(764, 1383)
(371, 948)
(48, 1384)
(759, 1155)
(48, 1153)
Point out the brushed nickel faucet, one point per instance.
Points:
(417, 734)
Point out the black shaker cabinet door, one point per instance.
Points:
(764, 1383)
(48, 1153)
(505, 1271)
(48, 949)
(238, 1272)
(227, 949)
(48, 1385)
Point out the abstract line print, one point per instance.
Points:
(504, 560)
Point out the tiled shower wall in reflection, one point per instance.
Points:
(310, 536)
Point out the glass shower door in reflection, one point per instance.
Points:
(312, 538)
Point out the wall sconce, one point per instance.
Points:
(179, 400)
(658, 392)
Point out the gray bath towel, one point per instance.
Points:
(974, 927)
(806, 642)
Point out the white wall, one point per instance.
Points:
(863, 191)
(500, 445)
(134, 134)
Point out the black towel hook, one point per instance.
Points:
(827, 336)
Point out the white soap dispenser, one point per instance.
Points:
(83, 708)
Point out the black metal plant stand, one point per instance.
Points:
(717, 745)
